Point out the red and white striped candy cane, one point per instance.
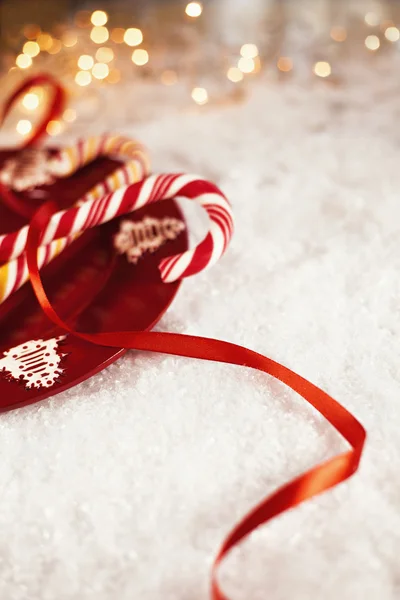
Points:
(25, 171)
(15, 273)
(74, 157)
(129, 198)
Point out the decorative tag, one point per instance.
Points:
(137, 237)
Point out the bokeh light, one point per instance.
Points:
(114, 76)
(372, 19)
(55, 47)
(100, 70)
(133, 36)
(83, 78)
(194, 9)
(23, 61)
(200, 95)
(372, 42)
(246, 65)
(105, 55)
(99, 17)
(85, 62)
(99, 35)
(249, 51)
(322, 69)
(45, 41)
(30, 101)
(54, 127)
(234, 74)
(392, 34)
(24, 126)
(284, 64)
(338, 34)
(140, 57)
(31, 49)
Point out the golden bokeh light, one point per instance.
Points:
(246, 65)
(54, 127)
(30, 101)
(117, 35)
(284, 64)
(322, 69)
(45, 41)
(83, 78)
(133, 36)
(140, 57)
(114, 76)
(99, 17)
(100, 70)
(194, 9)
(55, 47)
(338, 34)
(24, 126)
(234, 74)
(31, 49)
(372, 19)
(249, 51)
(169, 77)
(85, 62)
(69, 39)
(23, 61)
(392, 34)
(99, 35)
(372, 42)
(69, 115)
(200, 95)
(105, 55)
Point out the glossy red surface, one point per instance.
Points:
(91, 287)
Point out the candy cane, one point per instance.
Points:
(34, 167)
(66, 162)
(129, 198)
(15, 273)
(71, 159)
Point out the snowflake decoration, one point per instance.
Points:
(36, 363)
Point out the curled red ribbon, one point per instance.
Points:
(304, 487)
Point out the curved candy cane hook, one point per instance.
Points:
(132, 197)
(54, 109)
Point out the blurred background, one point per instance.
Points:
(152, 56)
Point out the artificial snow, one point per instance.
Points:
(125, 486)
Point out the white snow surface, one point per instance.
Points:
(125, 486)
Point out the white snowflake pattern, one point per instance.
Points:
(36, 363)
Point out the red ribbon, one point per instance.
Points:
(304, 487)
(54, 109)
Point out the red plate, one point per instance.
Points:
(89, 286)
